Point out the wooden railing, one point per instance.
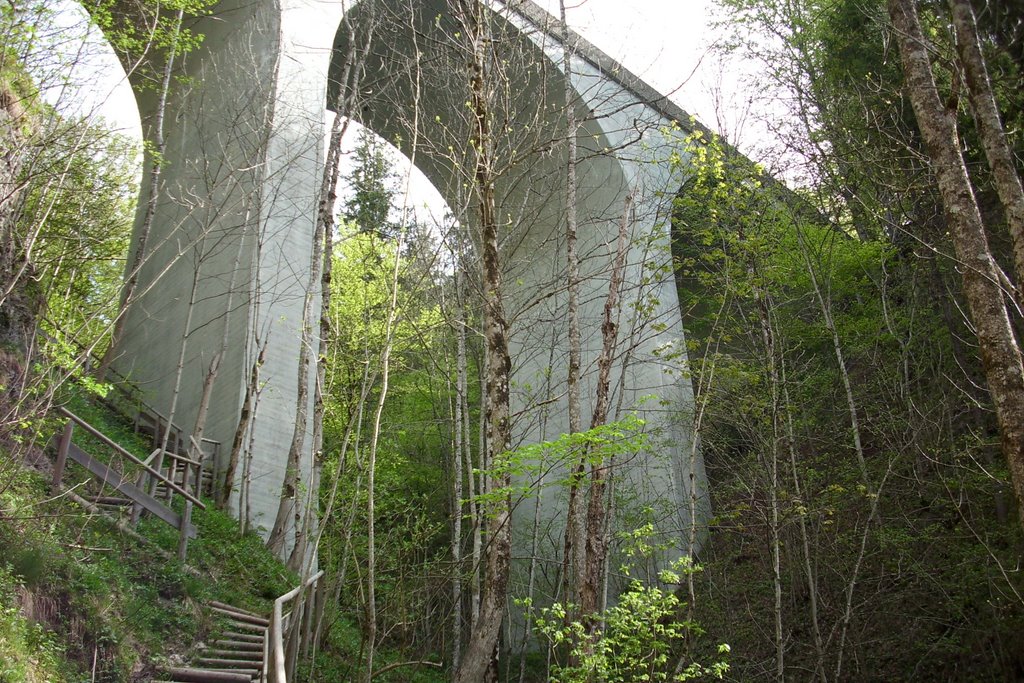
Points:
(289, 633)
(135, 491)
(145, 417)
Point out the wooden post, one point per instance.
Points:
(307, 619)
(186, 515)
(186, 518)
(294, 633)
(277, 672)
(200, 457)
(62, 457)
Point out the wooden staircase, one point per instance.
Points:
(235, 656)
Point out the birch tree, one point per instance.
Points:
(982, 283)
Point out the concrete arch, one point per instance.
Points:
(414, 88)
(239, 197)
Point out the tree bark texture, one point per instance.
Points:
(1000, 353)
(990, 128)
(596, 546)
(484, 639)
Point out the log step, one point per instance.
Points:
(191, 675)
(108, 500)
(238, 617)
(232, 608)
(247, 637)
(241, 655)
(253, 629)
(233, 664)
(238, 645)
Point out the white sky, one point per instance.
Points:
(668, 43)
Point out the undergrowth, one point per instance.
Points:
(81, 600)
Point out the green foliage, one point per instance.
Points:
(640, 638)
(371, 183)
(755, 273)
(96, 593)
(86, 214)
(28, 653)
(147, 33)
(526, 464)
(96, 597)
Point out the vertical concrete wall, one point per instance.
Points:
(244, 129)
(623, 152)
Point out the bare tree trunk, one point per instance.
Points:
(1000, 353)
(771, 360)
(596, 546)
(990, 128)
(808, 565)
(535, 528)
(290, 485)
(573, 554)
(459, 434)
(484, 640)
(325, 219)
(371, 467)
(223, 490)
(837, 349)
(178, 372)
(245, 489)
(211, 376)
(476, 485)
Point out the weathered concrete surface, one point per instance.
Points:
(243, 162)
(244, 153)
(414, 88)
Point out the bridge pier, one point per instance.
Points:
(229, 255)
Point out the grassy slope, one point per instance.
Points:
(78, 596)
(80, 600)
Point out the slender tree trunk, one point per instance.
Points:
(290, 485)
(990, 128)
(459, 434)
(223, 490)
(573, 554)
(844, 375)
(476, 486)
(1000, 353)
(484, 640)
(805, 543)
(771, 360)
(596, 547)
(538, 503)
(176, 392)
(211, 376)
(371, 467)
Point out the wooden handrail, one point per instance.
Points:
(273, 652)
(152, 456)
(181, 458)
(124, 453)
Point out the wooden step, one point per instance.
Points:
(225, 663)
(243, 655)
(239, 617)
(254, 629)
(232, 608)
(191, 675)
(248, 637)
(238, 645)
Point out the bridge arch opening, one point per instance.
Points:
(412, 85)
(230, 258)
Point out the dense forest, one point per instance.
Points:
(853, 323)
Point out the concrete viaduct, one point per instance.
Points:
(233, 229)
